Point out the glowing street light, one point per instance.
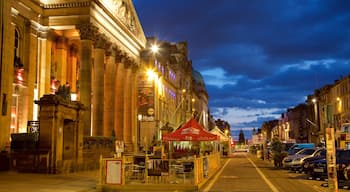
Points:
(151, 74)
(154, 48)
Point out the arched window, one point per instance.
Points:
(17, 61)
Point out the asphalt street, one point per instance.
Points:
(246, 173)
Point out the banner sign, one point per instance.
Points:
(146, 98)
(114, 172)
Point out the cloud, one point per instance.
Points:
(217, 77)
(241, 116)
(257, 58)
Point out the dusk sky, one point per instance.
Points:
(257, 57)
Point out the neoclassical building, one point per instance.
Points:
(92, 46)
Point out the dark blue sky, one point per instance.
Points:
(257, 57)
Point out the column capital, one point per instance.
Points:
(129, 63)
(109, 49)
(87, 31)
(61, 42)
(135, 67)
(119, 54)
(100, 41)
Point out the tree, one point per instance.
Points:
(278, 152)
(241, 138)
(254, 131)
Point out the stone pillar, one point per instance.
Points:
(61, 55)
(134, 123)
(26, 113)
(6, 72)
(127, 129)
(98, 85)
(73, 69)
(42, 42)
(47, 62)
(119, 98)
(109, 94)
(87, 32)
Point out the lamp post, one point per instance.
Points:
(139, 118)
(316, 121)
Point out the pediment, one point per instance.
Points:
(125, 12)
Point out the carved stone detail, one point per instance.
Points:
(123, 11)
(100, 41)
(134, 67)
(119, 55)
(108, 48)
(130, 63)
(87, 31)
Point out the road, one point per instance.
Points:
(245, 173)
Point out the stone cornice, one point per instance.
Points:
(66, 4)
(56, 100)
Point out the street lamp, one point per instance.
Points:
(154, 48)
(139, 118)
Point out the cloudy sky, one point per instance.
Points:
(257, 57)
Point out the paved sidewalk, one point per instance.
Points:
(30, 182)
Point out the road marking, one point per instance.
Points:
(229, 177)
(212, 181)
(272, 187)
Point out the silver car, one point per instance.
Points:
(293, 161)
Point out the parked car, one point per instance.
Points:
(298, 162)
(307, 162)
(290, 160)
(347, 173)
(299, 146)
(319, 167)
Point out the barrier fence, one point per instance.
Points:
(129, 170)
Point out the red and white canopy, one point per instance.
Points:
(191, 131)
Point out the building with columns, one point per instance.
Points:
(93, 46)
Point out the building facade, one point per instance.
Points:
(92, 46)
(332, 109)
(175, 90)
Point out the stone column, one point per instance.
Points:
(26, 113)
(134, 124)
(73, 69)
(41, 64)
(127, 107)
(119, 98)
(98, 85)
(87, 32)
(6, 72)
(109, 93)
(61, 58)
